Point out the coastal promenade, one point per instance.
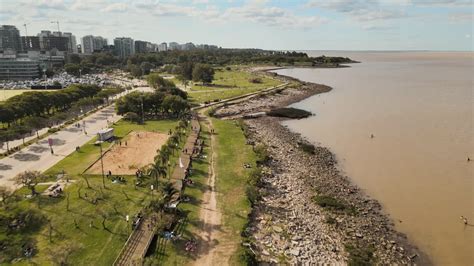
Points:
(38, 156)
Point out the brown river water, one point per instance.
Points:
(419, 107)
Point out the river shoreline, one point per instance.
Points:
(286, 224)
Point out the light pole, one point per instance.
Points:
(143, 115)
(4, 92)
(44, 77)
(101, 161)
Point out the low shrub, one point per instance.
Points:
(307, 147)
(331, 203)
(53, 130)
(360, 255)
(255, 80)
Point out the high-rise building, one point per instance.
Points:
(55, 40)
(187, 46)
(9, 38)
(72, 45)
(30, 43)
(162, 47)
(124, 47)
(174, 46)
(140, 47)
(92, 44)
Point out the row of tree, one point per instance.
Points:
(137, 106)
(26, 113)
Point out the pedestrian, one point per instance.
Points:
(110, 173)
(125, 143)
(120, 143)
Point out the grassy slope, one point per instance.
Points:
(96, 246)
(232, 153)
(229, 84)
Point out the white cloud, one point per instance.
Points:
(116, 7)
(443, 3)
(87, 4)
(461, 17)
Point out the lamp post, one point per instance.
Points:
(101, 161)
(143, 115)
(44, 77)
(4, 92)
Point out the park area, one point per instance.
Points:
(86, 225)
(230, 82)
(131, 153)
(5, 94)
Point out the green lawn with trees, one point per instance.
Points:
(86, 226)
(230, 82)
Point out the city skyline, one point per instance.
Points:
(278, 25)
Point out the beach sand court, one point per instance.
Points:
(140, 149)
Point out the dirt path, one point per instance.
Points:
(214, 248)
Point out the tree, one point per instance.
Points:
(36, 123)
(135, 71)
(60, 254)
(29, 179)
(72, 69)
(146, 67)
(74, 59)
(5, 194)
(22, 131)
(132, 117)
(156, 171)
(203, 73)
(186, 70)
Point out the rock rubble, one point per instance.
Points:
(287, 226)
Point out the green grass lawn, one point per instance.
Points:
(5, 94)
(230, 83)
(232, 154)
(89, 245)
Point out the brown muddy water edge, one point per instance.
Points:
(308, 211)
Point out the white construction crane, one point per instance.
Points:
(26, 29)
(57, 23)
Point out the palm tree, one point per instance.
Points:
(156, 171)
(168, 192)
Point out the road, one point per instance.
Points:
(38, 156)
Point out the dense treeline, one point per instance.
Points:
(43, 103)
(30, 111)
(142, 63)
(165, 101)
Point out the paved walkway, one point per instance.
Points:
(38, 156)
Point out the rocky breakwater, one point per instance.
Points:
(307, 212)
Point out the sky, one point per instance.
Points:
(445, 25)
